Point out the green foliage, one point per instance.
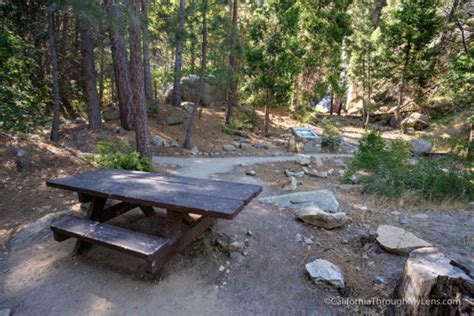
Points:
(389, 172)
(331, 133)
(20, 108)
(458, 82)
(120, 156)
(303, 115)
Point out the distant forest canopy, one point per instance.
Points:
(70, 58)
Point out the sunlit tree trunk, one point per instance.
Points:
(401, 95)
(136, 75)
(146, 55)
(268, 105)
(54, 64)
(88, 64)
(202, 73)
(120, 64)
(179, 55)
(232, 89)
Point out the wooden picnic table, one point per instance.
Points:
(180, 196)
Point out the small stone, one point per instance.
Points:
(236, 246)
(175, 144)
(194, 151)
(308, 241)
(249, 233)
(20, 153)
(261, 145)
(315, 160)
(299, 238)
(395, 213)
(317, 217)
(279, 142)
(244, 146)
(294, 174)
(251, 173)
(22, 165)
(403, 220)
(421, 216)
(291, 185)
(228, 147)
(221, 268)
(324, 271)
(303, 160)
(380, 280)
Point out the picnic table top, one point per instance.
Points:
(214, 198)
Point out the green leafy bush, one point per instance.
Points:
(389, 172)
(120, 156)
(20, 108)
(331, 133)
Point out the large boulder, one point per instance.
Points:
(315, 216)
(399, 241)
(210, 95)
(38, 231)
(417, 121)
(420, 146)
(431, 276)
(324, 271)
(324, 199)
(111, 113)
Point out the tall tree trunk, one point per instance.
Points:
(102, 73)
(401, 95)
(187, 141)
(146, 55)
(268, 105)
(232, 89)
(463, 37)
(136, 74)
(179, 55)
(120, 64)
(331, 106)
(54, 63)
(88, 63)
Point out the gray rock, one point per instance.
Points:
(420, 146)
(19, 153)
(279, 142)
(174, 120)
(251, 173)
(395, 213)
(175, 144)
(236, 246)
(158, 141)
(299, 237)
(303, 160)
(324, 199)
(318, 174)
(308, 241)
(5, 312)
(242, 134)
(22, 164)
(291, 185)
(261, 145)
(324, 271)
(194, 151)
(403, 219)
(421, 216)
(417, 121)
(380, 280)
(228, 147)
(244, 146)
(317, 217)
(289, 173)
(120, 131)
(188, 106)
(210, 95)
(315, 160)
(111, 113)
(398, 241)
(37, 231)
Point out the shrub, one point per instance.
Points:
(390, 173)
(331, 133)
(120, 156)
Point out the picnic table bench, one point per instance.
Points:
(180, 196)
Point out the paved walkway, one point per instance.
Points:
(201, 167)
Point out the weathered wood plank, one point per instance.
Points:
(205, 197)
(120, 239)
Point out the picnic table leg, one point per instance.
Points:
(173, 223)
(147, 210)
(94, 212)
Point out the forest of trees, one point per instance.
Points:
(69, 58)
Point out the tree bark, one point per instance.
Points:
(202, 72)
(232, 89)
(268, 104)
(88, 63)
(146, 55)
(179, 55)
(120, 64)
(54, 64)
(136, 75)
(397, 115)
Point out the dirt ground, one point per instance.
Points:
(269, 278)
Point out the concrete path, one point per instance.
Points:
(201, 167)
